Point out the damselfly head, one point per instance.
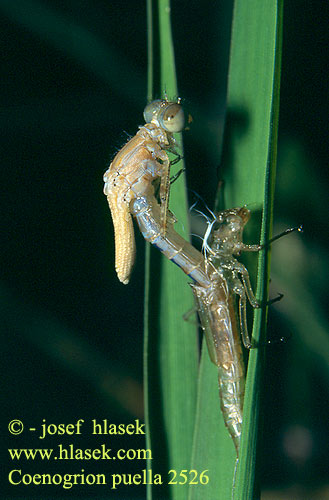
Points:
(165, 114)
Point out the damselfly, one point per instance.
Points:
(142, 160)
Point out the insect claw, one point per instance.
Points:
(175, 177)
(300, 229)
(177, 159)
(276, 299)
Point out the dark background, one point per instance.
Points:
(73, 84)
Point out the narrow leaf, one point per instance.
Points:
(171, 351)
(249, 173)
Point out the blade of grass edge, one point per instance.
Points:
(252, 407)
(148, 439)
(252, 117)
(170, 353)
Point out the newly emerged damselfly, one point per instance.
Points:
(131, 174)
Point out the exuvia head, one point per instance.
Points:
(227, 229)
(165, 114)
(232, 219)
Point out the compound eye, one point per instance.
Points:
(152, 109)
(172, 118)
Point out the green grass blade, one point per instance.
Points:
(213, 449)
(249, 174)
(266, 120)
(171, 351)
